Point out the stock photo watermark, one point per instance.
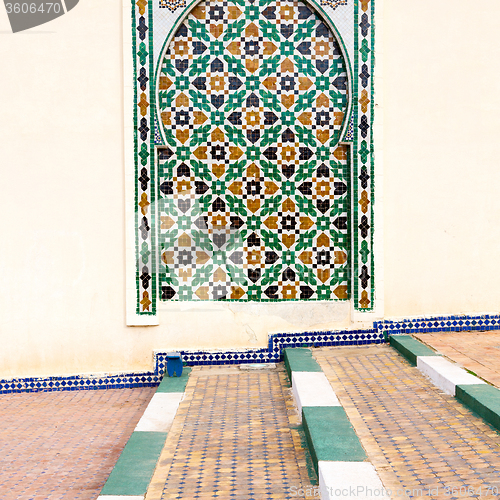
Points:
(24, 15)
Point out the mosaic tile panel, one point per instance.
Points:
(354, 23)
(172, 5)
(363, 285)
(254, 185)
(144, 157)
(334, 3)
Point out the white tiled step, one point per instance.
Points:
(120, 497)
(444, 374)
(160, 412)
(312, 389)
(357, 480)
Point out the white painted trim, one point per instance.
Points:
(120, 497)
(312, 389)
(160, 412)
(350, 480)
(378, 158)
(444, 374)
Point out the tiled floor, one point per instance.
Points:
(417, 437)
(234, 437)
(63, 445)
(476, 351)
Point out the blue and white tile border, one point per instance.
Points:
(436, 324)
(273, 352)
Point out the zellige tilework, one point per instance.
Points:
(144, 157)
(235, 435)
(254, 198)
(253, 180)
(379, 333)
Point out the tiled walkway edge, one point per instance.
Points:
(480, 397)
(338, 457)
(129, 479)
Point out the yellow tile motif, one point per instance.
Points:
(235, 436)
(417, 437)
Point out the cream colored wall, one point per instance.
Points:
(441, 156)
(62, 223)
(62, 258)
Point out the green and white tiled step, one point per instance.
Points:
(129, 479)
(482, 398)
(338, 456)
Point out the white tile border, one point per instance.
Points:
(445, 374)
(160, 412)
(312, 389)
(357, 480)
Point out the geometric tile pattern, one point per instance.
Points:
(436, 324)
(254, 191)
(280, 341)
(272, 353)
(333, 3)
(144, 158)
(80, 382)
(172, 5)
(423, 441)
(363, 289)
(357, 161)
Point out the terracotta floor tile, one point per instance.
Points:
(475, 351)
(63, 445)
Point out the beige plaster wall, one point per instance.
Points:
(441, 156)
(62, 255)
(62, 245)
(62, 251)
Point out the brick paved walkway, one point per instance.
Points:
(63, 445)
(234, 437)
(416, 436)
(476, 351)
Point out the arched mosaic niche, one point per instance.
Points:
(154, 25)
(254, 183)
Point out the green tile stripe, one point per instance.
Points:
(134, 469)
(483, 399)
(151, 166)
(300, 360)
(330, 435)
(328, 431)
(410, 348)
(372, 167)
(175, 384)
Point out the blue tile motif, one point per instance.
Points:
(380, 333)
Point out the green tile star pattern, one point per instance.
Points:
(254, 190)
